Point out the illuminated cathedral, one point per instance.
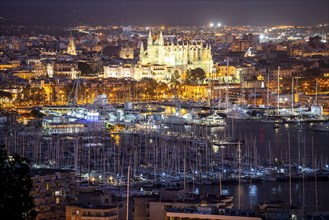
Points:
(160, 59)
(71, 48)
(182, 55)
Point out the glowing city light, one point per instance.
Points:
(261, 36)
(219, 24)
(211, 25)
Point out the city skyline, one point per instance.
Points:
(154, 109)
(159, 12)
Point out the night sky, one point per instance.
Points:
(166, 12)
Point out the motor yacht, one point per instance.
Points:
(237, 114)
(213, 120)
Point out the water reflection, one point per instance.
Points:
(252, 190)
(226, 192)
(253, 195)
(273, 190)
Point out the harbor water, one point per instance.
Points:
(314, 195)
(274, 143)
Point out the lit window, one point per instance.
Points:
(57, 200)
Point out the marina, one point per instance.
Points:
(197, 156)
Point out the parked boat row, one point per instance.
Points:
(324, 126)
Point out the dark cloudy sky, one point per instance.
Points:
(164, 12)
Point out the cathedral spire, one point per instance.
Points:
(161, 40)
(71, 48)
(149, 39)
(141, 50)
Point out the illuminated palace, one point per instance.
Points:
(183, 55)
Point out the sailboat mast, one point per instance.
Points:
(220, 183)
(239, 167)
(226, 95)
(303, 192)
(315, 178)
(290, 197)
(316, 91)
(127, 204)
(242, 99)
(269, 153)
(185, 168)
(255, 100)
(292, 94)
(278, 89)
(267, 88)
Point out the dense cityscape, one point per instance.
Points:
(211, 121)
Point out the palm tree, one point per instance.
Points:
(174, 82)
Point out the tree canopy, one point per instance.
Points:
(195, 76)
(84, 68)
(150, 84)
(15, 186)
(35, 94)
(4, 94)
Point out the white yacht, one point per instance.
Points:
(69, 125)
(94, 112)
(149, 125)
(213, 120)
(174, 120)
(192, 118)
(237, 114)
(88, 113)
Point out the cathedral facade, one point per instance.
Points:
(181, 56)
(71, 48)
(160, 59)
